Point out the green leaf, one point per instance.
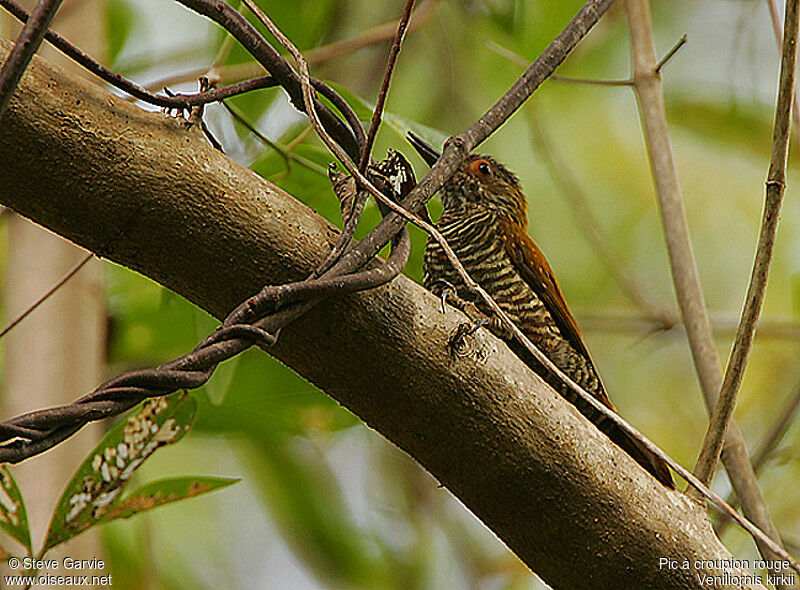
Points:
(164, 491)
(13, 516)
(265, 395)
(401, 125)
(120, 18)
(98, 483)
(151, 324)
(746, 127)
(308, 507)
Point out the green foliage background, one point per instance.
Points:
(325, 502)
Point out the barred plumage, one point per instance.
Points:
(484, 221)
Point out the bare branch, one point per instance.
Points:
(349, 137)
(776, 185)
(650, 98)
(61, 282)
(178, 101)
(773, 437)
(394, 52)
(776, 29)
(518, 59)
(348, 162)
(459, 146)
(724, 324)
(26, 45)
(670, 54)
(318, 55)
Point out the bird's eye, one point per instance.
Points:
(482, 167)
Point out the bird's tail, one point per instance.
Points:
(651, 462)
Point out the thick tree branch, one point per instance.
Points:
(140, 189)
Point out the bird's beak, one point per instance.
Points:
(428, 153)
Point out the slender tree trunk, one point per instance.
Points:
(60, 348)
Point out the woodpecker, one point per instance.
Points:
(485, 223)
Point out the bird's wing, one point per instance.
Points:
(536, 272)
(534, 269)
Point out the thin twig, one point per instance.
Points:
(776, 186)
(347, 134)
(61, 282)
(28, 41)
(177, 101)
(773, 437)
(778, 33)
(352, 216)
(778, 429)
(669, 55)
(373, 36)
(222, 54)
(284, 151)
(311, 110)
(40, 430)
(518, 59)
(681, 254)
(300, 137)
(316, 56)
(284, 76)
(377, 114)
(724, 324)
(685, 276)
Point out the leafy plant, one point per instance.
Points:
(94, 494)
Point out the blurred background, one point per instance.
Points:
(324, 501)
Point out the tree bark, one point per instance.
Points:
(144, 191)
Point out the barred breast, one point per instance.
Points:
(478, 243)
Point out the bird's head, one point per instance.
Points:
(481, 182)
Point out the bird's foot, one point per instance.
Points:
(458, 345)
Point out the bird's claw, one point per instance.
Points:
(444, 295)
(444, 289)
(458, 340)
(482, 323)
